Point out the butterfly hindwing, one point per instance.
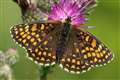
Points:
(83, 52)
(38, 40)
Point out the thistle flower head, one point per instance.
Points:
(2, 58)
(7, 59)
(11, 56)
(75, 9)
(56, 10)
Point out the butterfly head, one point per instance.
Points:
(68, 20)
(76, 10)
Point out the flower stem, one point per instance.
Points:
(44, 71)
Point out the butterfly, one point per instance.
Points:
(74, 49)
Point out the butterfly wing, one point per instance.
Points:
(83, 52)
(38, 39)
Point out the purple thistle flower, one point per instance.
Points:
(76, 9)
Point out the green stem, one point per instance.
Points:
(44, 71)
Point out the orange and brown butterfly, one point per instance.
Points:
(73, 48)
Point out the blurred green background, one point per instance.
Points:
(106, 18)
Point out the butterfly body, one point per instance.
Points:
(63, 38)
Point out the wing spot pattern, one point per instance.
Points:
(73, 66)
(16, 32)
(42, 59)
(85, 56)
(36, 50)
(87, 38)
(68, 59)
(77, 50)
(94, 52)
(87, 49)
(45, 42)
(98, 55)
(42, 26)
(39, 53)
(78, 62)
(34, 27)
(93, 43)
(44, 53)
(35, 43)
(24, 35)
(73, 60)
(30, 37)
(21, 33)
(91, 49)
(106, 56)
(95, 59)
(24, 40)
(89, 54)
(20, 29)
(54, 57)
(33, 34)
(83, 51)
(20, 39)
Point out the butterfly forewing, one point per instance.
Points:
(38, 39)
(83, 52)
